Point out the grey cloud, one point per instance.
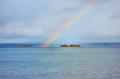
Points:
(41, 19)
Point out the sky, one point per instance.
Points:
(35, 21)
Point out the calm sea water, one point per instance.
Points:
(60, 63)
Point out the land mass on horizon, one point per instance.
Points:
(65, 45)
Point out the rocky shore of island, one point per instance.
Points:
(24, 45)
(70, 45)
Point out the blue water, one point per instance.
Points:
(60, 63)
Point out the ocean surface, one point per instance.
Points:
(60, 63)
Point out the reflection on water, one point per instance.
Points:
(59, 63)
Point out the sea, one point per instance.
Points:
(90, 61)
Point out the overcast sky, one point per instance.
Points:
(38, 20)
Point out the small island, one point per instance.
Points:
(70, 46)
(24, 45)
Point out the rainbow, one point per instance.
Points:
(69, 24)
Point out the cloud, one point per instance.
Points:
(22, 28)
(24, 20)
(95, 25)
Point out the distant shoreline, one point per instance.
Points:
(93, 44)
